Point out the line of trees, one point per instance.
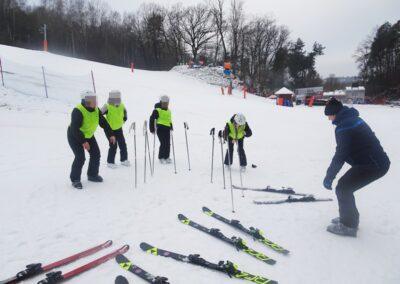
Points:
(378, 58)
(158, 38)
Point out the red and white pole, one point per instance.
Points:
(45, 43)
(132, 67)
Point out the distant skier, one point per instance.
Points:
(235, 132)
(161, 122)
(85, 119)
(116, 116)
(358, 146)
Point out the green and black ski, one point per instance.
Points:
(291, 199)
(238, 243)
(254, 232)
(226, 267)
(126, 264)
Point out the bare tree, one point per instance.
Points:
(197, 27)
(217, 10)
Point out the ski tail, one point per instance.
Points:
(56, 277)
(121, 280)
(37, 268)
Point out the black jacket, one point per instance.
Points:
(356, 143)
(247, 129)
(76, 123)
(154, 117)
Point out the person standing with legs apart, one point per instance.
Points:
(85, 119)
(235, 132)
(116, 116)
(358, 146)
(161, 118)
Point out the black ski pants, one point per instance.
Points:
(112, 151)
(164, 135)
(354, 179)
(79, 161)
(241, 152)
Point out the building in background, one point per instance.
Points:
(350, 95)
(303, 94)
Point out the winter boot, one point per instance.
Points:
(112, 165)
(162, 161)
(77, 184)
(342, 230)
(168, 161)
(95, 178)
(126, 163)
(335, 220)
(243, 169)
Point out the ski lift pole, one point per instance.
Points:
(186, 126)
(212, 133)
(133, 127)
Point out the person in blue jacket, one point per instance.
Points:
(358, 146)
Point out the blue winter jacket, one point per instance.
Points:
(356, 143)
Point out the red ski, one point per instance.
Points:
(57, 277)
(37, 268)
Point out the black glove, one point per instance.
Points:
(328, 183)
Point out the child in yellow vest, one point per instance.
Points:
(116, 116)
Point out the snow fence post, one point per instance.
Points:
(44, 82)
(132, 67)
(1, 71)
(93, 82)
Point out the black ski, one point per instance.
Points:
(126, 264)
(238, 243)
(227, 267)
(121, 280)
(254, 232)
(291, 199)
(283, 190)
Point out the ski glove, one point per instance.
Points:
(328, 183)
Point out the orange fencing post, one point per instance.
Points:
(244, 92)
(222, 90)
(132, 67)
(311, 102)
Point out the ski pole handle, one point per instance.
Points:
(212, 131)
(145, 128)
(186, 125)
(133, 127)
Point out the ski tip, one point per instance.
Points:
(205, 209)
(121, 280)
(270, 261)
(182, 218)
(121, 258)
(145, 246)
(108, 243)
(124, 249)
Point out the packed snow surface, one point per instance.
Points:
(43, 219)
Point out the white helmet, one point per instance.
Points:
(164, 99)
(114, 94)
(240, 119)
(87, 95)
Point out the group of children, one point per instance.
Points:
(86, 117)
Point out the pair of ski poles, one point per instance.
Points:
(147, 149)
(221, 140)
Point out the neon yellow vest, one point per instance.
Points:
(115, 116)
(236, 133)
(90, 121)
(164, 117)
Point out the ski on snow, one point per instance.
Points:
(291, 199)
(283, 190)
(254, 232)
(227, 267)
(58, 276)
(238, 243)
(37, 268)
(127, 265)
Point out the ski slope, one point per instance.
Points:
(43, 219)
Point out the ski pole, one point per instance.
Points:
(222, 156)
(241, 175)
(133, 127)
(149, 153)
(145, 148)
(186, 126)
(173, 149)
(230, 174)
(154, 143)
(212, 133)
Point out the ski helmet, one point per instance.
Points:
(240, 119)
(114, 97)
(164, 99)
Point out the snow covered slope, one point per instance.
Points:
(44, 219)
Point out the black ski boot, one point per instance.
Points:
(342, 230)
(95, 178)
(77, 184)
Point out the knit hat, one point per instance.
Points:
(333, 106)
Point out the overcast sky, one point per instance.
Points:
(340, 25)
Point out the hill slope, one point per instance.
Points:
(44, 219)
